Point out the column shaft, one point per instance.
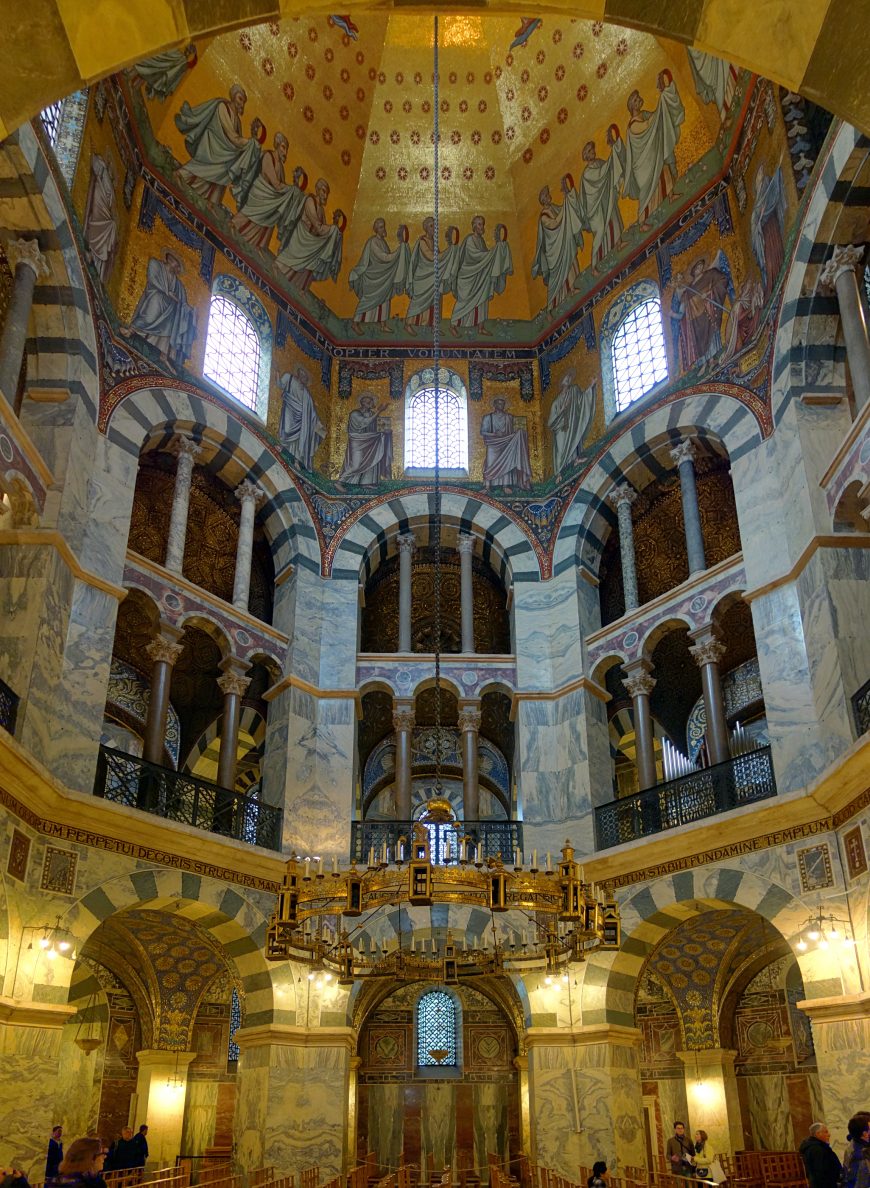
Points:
(233, 686)
(622, 497)
(164, 651)
(406, 549)
(466, 592)
(469, 724)
(708, 651)
(684, 455)
(639, 684)
(187, 454)
(403, 721)
(28, 263)
(840, 274)
(249, 495)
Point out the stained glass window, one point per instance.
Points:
(232, 351)
(235, 1024)
(420, 430)
(64, 123)
(638, 353)
(436, 1030)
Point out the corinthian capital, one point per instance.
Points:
(469, 719)
(26, 251)
(683, 451)
(465, 543)
(403, 719)
(406, 543)
(622, 494)
(708, 651)
(186, 447)
(233, 682)
(639, 684)
(250, 492)
(165, 650)
(844, 258)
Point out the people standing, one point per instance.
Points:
(856, 1169)
(55, 1152)
(599, 1176)
(141, 1141)
(123, 1153)
(820, 1160)
(706, 1160)
(82, 1165)
(680, 1151)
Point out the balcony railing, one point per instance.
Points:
(8, 707)
(496, 837)
(176, 796)
(692, 797)
(861, 709)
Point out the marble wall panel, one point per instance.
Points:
(438, 1122)
(491, 1121)
(324, 630)
(30, 1058)
(252, 1095)
(307, 1109)
(546, 631)
(384, 1122)
(200, 1110)
(843, 1059)
(769, 1114)
(319, 772)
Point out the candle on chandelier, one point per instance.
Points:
(534, 859)
(371, 856)
(549, 863)
(518, 858)
(335, 864)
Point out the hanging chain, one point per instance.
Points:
(436, 354)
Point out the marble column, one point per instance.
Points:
(639, 684)
(684, 456)
(469, 724)
(465, 545)
(161, 1092)
(233, 685)
(711, 1091)
(707, 652)
(405, 544)
(249, 495)
(840, 274)
(188, 452)
(403, 721)
(164, 651)
(841, 1038)
(28, 264)
(622, 497)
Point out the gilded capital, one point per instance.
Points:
(624, 493)
(683, 451)
(469, 719)
(709, 651)
(250, 492)
(845, 257)
(164, 650)
(406, 543)
(26, 251)
(233, 682)
(403, 719)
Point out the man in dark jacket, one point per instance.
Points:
(820, 1160)
(141, 1141)
(123, 1153)
(54, 1155)
(680, 1151)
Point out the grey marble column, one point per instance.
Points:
(164, 651)
(465, 545)
(188, 452)
(233, 685)
(707, 652)
(28, 264)
(684, 456)
(622, 497)
(406, 545)
(639, 683)
(249, 495)
(403, 722)
(469, 724)
(840, 275)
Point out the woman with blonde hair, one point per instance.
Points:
(82, 1164)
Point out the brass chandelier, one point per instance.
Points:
(568, 915)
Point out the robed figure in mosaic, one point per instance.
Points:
(507, 449)
(164, 317)
(570, 417)
(301, 430)
(271, 203)
(650, 141)
(380, 274)
(162, 73)
(368, 458)
(421, 274)
(482, 272)
(219, 150)
(767, 224)
(314, 250)
(560, 237)
(599, 194)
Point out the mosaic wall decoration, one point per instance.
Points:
(19, 852)
(856, 856)
(814, 864)
(59, 871)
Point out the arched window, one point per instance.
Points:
(422, 398)
(633, 354)
(436, 1030)
(64, 123)
(238, 345)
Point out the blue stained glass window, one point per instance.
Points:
(235, 1024)
(436, 1030)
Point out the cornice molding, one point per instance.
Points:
(35, 1014)
(583, 1035)
(843, 1009)
(842, 540)
(51, 538)
(286, 1035)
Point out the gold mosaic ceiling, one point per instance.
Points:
(357, 110)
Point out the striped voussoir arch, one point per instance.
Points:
(237, 922)
(652, 911)
(148, 417)
(61, 349)
(639, 455)
(810, 354)
(500, 541)
(251, 723)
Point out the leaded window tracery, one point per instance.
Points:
(232, 351)
(420, 438)
(436, 1030)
